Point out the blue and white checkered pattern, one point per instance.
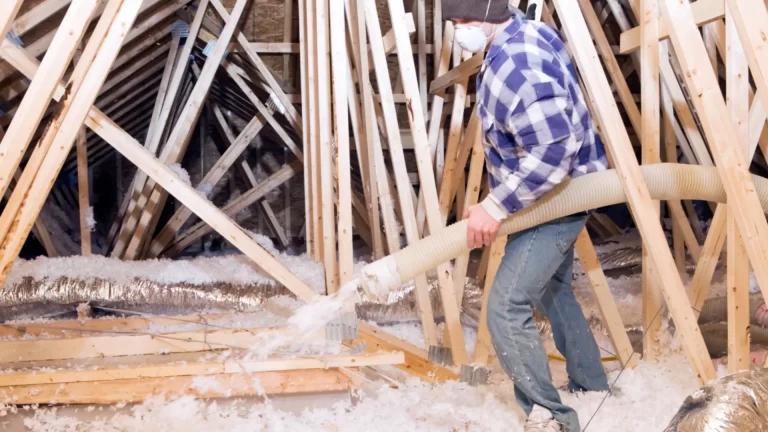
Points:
(537, 128)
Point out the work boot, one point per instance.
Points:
(541, 420)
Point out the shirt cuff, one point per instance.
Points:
(497, 212)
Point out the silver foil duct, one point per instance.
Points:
(36, 298)
(33, 298)
(734, 403)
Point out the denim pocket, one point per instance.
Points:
(568, 229)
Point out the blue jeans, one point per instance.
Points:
(536, 271)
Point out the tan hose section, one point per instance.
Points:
(592, 191)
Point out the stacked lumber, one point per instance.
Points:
(119, 361)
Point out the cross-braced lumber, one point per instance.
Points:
(398, 162)
(128, 211)
(90, 72)
(38, 96)
(152, 199)
(426, 175)
(729, 158)
(638, 196)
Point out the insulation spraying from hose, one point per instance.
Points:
(592, 191)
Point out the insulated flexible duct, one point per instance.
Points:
(592, 191)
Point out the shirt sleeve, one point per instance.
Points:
(545, 142)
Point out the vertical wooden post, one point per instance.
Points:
(737, 278)
(483, 345)
(306, 89)
(82, 187)
(650, 118)
(421, 37)
(339, 63)
(287, 37)
(326, 143)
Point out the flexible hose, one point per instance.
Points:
(592, 191)
(715, 310)
(716, 338)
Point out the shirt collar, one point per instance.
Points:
(502, 38)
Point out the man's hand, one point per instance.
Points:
(482, 227)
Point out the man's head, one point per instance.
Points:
(476, 21)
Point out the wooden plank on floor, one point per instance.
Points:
(175, 365)
(138, 390)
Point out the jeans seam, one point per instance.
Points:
(509, 295)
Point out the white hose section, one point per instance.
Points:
(592, 191)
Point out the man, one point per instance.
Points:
(538, 132)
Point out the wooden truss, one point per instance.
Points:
(143, 77)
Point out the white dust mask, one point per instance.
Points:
(471, 38)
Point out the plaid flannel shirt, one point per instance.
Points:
(535, 121)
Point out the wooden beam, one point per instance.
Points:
(704, 12)
(590, 263)
(15, 142)
(457, 74)
(234, 151)
(651, 154)
(83, 194)
(638, 197)
(737, 276)
(176, 365)
(362, 128)
(138, 390)
(306, 138)
(729, 158)
(132, 344)
(8, 11)
(339, 64)
(37, 15)
(482, 352)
